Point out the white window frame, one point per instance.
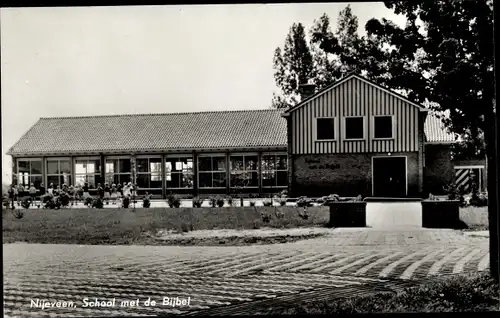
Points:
(87, 159)
(244, 155)
(275, 171)
(30, 175)
(178, 173)
(149, 173)
(212, 172)
(58, 159)
(107, 173)
(335, 128)
(344, 128)
(393, 130)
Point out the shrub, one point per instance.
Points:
(479, 199)
(146, 202)
(26, 203)
(98, 203)
(279, 214)
(18, 214)
(266, 217)
(326, 200)
(303, 214)
(230, 200)
(213, 201)
(452, 191)
(267, 202)
(256, 225)
(304, 202)
(126, 202)
(252, 202)
(197, 202)
(173, 201)
(220, 202)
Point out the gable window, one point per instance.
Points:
(383, 127)
(325, 128)
(354, 128)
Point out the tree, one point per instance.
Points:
(292, 66)
(445, 55)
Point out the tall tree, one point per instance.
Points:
(292, 66)
(444, 54)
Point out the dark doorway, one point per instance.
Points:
(389, 177)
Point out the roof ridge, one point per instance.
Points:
(163, 114)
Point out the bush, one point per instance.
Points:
(213, 201)
(26, 203)
(279, 214)
(88, 201)
(267, 202)
(252, 202)
(304, 202)
(146, 202)
(197, 202)
(230, 201)
(266, 217)
(220, 202)
(126, 202)
(98, 203)
(173, 201)
(452, 191)
(18, 214)
(479, 199)
(303, 214)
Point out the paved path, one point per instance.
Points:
(222, 276)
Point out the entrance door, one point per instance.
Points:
(389, 177)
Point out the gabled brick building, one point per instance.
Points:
(353, 137)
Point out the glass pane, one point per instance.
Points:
(80, 166)
(110, 179)
(268, 162)
(187, 180)
(219, 179)
(281, 162)
(325, 128)
(52, 167)
(174, 181)
(282, 178)
(79, 180)
(142, 165)
(205, 164)
(65, 166)
(168, 176)
(95, 165)
(188, 165)
(125, 178)
(244, 179)
(168, 166)
(268, 179)
(219, 163)
(178, 165)
(110, 167)
(36, 167)
(23, 179)
(383, 127)
(66, 179)
(54, 180)
(143, 180)
(36, 180)
(23, 166)
(90, 167)
(253, 179)
(155, 167)
(354, 128)
(205, 180)
(236, 163)
(251, 162)
(155, 181)
(124, 165)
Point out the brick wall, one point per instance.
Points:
(438, 169)
(343, 174)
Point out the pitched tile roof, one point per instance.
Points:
(435, 131)
(155, 132)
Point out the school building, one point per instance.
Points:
(353, 137)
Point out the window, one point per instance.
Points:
(274, 170)
(354, 128)
(244, 171)
(383, 127)
(212, 171)
(179, 172)
(88, 170)
(59, 172)
(29, 171)
(118, 170)
(325, 128)
(148, 173)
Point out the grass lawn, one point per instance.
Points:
(476, 218)
(458, 293)
(125, 226)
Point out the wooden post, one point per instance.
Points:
(163, 177)
(103, 169)
(14, 171)
(195, 174)
(260, 173)
(228, 173)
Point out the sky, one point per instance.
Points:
(87, 61)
